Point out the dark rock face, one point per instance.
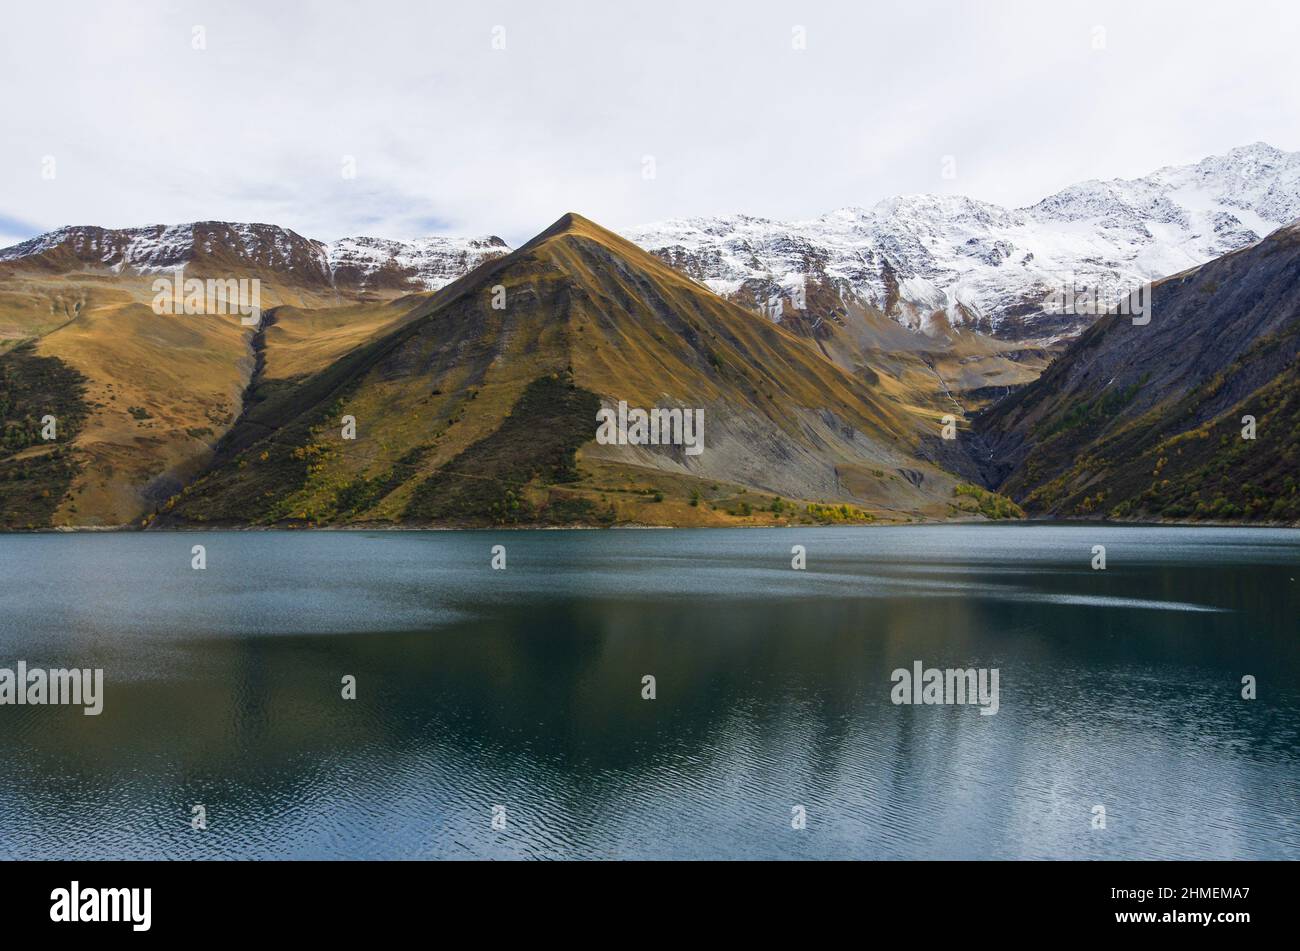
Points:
(1124, 396)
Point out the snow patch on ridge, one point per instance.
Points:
(976, 261)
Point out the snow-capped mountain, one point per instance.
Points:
(924, 260)
(353, 263)
(923, 257)
(422, 264)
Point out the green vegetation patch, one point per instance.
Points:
(536, 443)
(364, 493)
(973, 499)
(254, 486)
(836, 514)
(1094, 411)
(35, 474)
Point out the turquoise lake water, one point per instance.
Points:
(518, 693)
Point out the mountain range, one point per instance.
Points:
(937, 261)
(469, 374)
(928, 261)
(466, 411)
(351, 264)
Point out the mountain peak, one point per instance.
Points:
(570, 223)
(1258, 148)
(571, 219)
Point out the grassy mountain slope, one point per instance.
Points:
(159, 391)
(460, 391)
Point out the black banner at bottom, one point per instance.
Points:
(336, 899)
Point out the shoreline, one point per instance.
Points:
(192, 529)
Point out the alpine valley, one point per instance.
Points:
(826, 359)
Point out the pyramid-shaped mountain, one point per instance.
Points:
(479, 406)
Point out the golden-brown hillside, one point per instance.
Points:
(472, 404)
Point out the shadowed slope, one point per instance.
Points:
(1147, 420)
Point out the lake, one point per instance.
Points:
(500, 713)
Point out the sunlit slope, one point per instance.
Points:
(158, 390)
(419, 396)
(779, 415)
(31, 308)
(494, 380)
(300, 341)
(152, 393)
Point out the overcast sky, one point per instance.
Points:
(450, 135)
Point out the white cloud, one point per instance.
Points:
(451, 135)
